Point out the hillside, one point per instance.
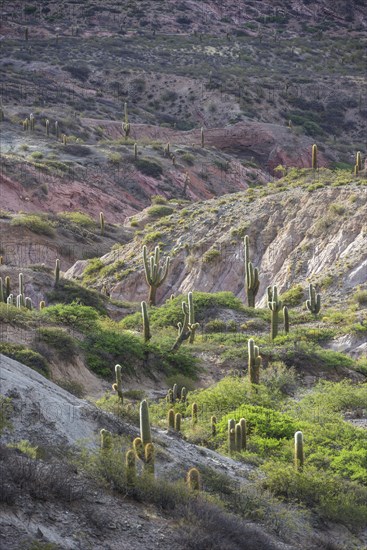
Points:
(183, 282)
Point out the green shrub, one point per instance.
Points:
(34, 222)
(69, 292)
(26, 356)
(64, 345)
(211, 255)
(216, 325)
(149, 167)
(158, 211)
(158, 199)
(360, 296)
(74, 315)
(79, 218)
(293, 297)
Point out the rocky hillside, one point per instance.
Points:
(306, 227)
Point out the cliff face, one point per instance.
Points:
(295, 236)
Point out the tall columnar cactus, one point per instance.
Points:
(42, 304)
(57, 272)
(2, 295)
(101, 222)
(286, 319)
(7, 286)
(47, 123)
(149, 458)
(10, 300)
(171, 419)
(251, 275)
(64, 139)
(21, 283)
(130, 463)
(146, 324)
(31, 122)
(213, 425)
(135, 151)
(243, 434)
(194, 413)
(185, 329)
(202, 137)
(356, 170)
(299, 456)
(126, 124)
(254, 362)
(117, 386)
(144, 423)
(359, 160)
(193, 479)
(183, 394)
(154, 273)
(175, 392)
(178, 418)
(57, 129)
(28, 303)
(313, 303)
(169, 396)
(275, 305)
(238, 437)
(106, 439)
(192, 325)
(231, 435)
(1, 114)
(314, 156)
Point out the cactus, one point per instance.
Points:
(314, 156)
(135, 151)
(183, 394)
(178, 418)
(106, 439)
(298, 451)
(286, 319)
(118, 385)
(231, 435)
(130, 463)
(313, 304)
(31, 122)
(21, 283)
(185, 329)
(149, 458)
(154, 274)
(171, 419)
(42, 304)
(1, 114)
(169, 396)
(57, 131)
(146, 325)
(47, 127)
(193, 479)
(2, 295)
(193, 326)
(28, 303)
(213, 425)
(356, 170)
(64, 139)
(194, 413)
(1, 260)
(254, 362)
(101, 222)
(25, 124)
(251, 275)
(166, 150)
(144, 423)
(275, 306)
(175, 392)
(359, 160)
(125, 124)
(243, 434)
(138, 448)
(10, 300)
(202, 137)
(7, 286)
(57, 272)
(238, 437)
(187, 180)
